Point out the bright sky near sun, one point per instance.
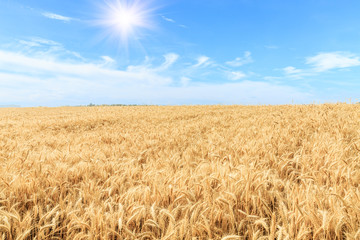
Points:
(55, 53)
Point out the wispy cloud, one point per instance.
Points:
(323, 62)
(236, 75)
(173, 21)
(326, 61)
(37, 43)
(272, 78)
(29, 78)
(202, 61)
(291, 70)
(33, 66)
(108, 61)
(44, 64)
(168, 19)
(320, 63)
(228, 71)
(169, 60)
(57, 17)
(295, 73)
(239, 61)
(45, 48)
(185, 81)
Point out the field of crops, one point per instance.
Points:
(180, 172)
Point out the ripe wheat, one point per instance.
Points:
(181, 172)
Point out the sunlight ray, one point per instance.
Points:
(124, 20)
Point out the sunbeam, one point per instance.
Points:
(125, 19)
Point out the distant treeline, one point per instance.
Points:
(114, 105)
(10, 106)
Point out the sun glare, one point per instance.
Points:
(125, 18)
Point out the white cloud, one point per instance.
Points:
(246, 92)
(295, 73)
(291, 70)
(43, 41)
(28, 78)
(323, 62)
(236, 75)
(170, 59)
(57, 17)
(108, 61)
(173, 21)
(63, 90)
(239, 61)
(44, 48)
(168, 19)
(38, 45)
(272, 78)
(185, 81)
(331, 60)
(30, 44)
(34, 66)
(202, 61)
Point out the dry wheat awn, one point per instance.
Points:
(180, 172)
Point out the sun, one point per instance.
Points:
(125, 19)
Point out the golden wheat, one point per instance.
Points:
(180, 172)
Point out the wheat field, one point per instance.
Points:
(180, 172)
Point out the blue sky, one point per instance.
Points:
(55, 53)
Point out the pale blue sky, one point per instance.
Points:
(67, 52)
